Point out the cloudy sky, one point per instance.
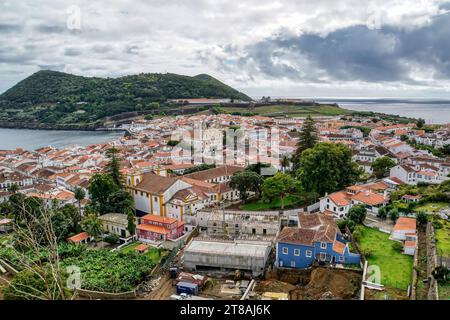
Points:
(302, 48)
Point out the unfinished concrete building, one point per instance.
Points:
(209, 255)
(240, 224)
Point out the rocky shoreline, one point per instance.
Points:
(46, 126)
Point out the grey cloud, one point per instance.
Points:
(357, 53)
(72, 52)
(132, 49)
(101, 48)
(15, 56)
(54, 67)
(10, 28)
(50, 28)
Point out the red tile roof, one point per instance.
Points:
(79, 237)
(155, 218)
(404, 223)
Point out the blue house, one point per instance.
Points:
(317, 238)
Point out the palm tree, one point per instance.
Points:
(284, 163)
(80, 194)
(92, 225)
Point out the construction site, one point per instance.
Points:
(315, 283)
(240, 224)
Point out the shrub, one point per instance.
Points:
(422, 218)
(441, 274)
(397, 246)
(112, 238)
(366, 253)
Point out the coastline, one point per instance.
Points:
(55, 127)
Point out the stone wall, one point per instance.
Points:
(431, 263)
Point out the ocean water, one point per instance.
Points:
(34, 139)
(432, 111)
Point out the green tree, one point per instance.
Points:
(327, 167)
(382, 213)
(119, 202)
(64, 221)
(79, 194)
(278, 186)
(34, 284)
(381, 166)
(284, 162)
(394, 215)
(397, 246)
(100, 188)
(13, 188)
(131, 227)
(441, 274)
(113, 166)
(420, 123)
(172, 143)
(257, 167)
(357, 213)
(422, 218)
(308, 139)
(112, 238)
(92, 225)
(246, 181)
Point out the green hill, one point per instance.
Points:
(50, 97)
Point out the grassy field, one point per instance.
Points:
(274, 205)
(395, 267)
(432, 207)
(152, 253)
(293, 110)
(443, 239)
(444, 292)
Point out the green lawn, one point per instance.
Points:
(259, 205)
(395, 267)
(443, 239)
(432, 207)
(152, 253)
(292, 110)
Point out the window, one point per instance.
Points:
(323, 245)
(341, 258)
(308, 253)
(297, 252)
(285, 250)
(156, 199)
(292, 264)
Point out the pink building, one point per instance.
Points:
(157, 228)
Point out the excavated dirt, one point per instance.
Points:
(329, 284)
(274, 286)
(316, 283)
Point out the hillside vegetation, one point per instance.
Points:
(51, 97)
